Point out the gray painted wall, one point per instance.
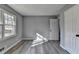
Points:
(37, 24)
(8, 42)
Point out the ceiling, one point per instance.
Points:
(37, 9)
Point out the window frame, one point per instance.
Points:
(3, 24)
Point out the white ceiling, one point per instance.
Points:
(37, 9)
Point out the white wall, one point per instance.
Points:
(8, 42)
(61, 18)
(64, 29)
(61, 22)
(36, 24)
(71, 29)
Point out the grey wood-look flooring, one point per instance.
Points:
(50, 47)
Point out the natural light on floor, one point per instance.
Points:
(39, 40)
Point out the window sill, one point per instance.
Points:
(9, 37)
(6, 38)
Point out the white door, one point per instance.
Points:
(54, 30)
(76, 28)
(72, 29)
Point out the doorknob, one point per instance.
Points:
(77, 35)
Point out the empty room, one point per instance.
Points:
(39, 29)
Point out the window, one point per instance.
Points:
(0, 26)
(7, 24)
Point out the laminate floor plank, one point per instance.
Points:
(50, 47)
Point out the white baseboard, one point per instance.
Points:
(74, 51)
(30, 38)
(66, 49)
(10, 47)
(27, 38)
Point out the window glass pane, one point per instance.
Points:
(13, 20)
(9, 30)
(0, 31)
(13, 30)
(5, 18)
(0, 18)
(9, 20)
